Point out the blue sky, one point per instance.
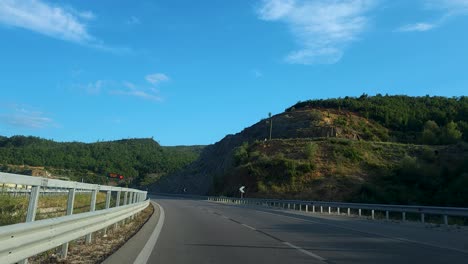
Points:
(190, 72)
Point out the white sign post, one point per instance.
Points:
(241, 190)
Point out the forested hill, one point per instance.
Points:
(423, 120)
(138, 160)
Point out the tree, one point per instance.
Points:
(430, 133)
(271, 123)
(450, 133)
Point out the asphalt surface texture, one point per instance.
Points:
(197, 231)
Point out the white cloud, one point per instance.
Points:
(421, 27)
(156, 78)
(449, 9)
(47, 19)
(452, 6)
(24, 116)
(148, 95)
(322, 28)
(144, 91)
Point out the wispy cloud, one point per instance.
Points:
(322, 28)
(450, 6)
(147, 91)
(147, 94)
(46, 19)
(95, 87)
(156, 78)
(448, 9)
(133, 20)
(421, 27)
(23, 116)
(257, 73)
(88, 15)
(65, 23)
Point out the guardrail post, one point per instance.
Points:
(108, 199)
(294, 206)
(70, 204)
(403, 216)
(313, 208)
(338, 210)
(423, 218)
(321, 209)
(131, 201)
(360, 212)
(125, 198)
(117, 204)
(349, 211)
(387, 215)
(329, 209)
(289, 206)
(373, 215)
(307, 208)
(92, 209)
(32, 209)
(445, 220)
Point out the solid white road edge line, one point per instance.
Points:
(149, 246)
(308, 253)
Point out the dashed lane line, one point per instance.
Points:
(306, 252)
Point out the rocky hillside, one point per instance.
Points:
(371, 149)
(216, 160)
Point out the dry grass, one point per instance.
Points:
(13, 209)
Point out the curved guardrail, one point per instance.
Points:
(23, 240)
(345, 208)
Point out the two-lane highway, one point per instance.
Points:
(196, 231)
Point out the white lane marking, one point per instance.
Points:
(149, 246)
(225, 217)
(308, 253)
(371, 233)
(249, 227)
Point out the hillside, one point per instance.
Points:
(340, 150)
(141, 161)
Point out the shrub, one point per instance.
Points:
(241, 154)
(311, 150)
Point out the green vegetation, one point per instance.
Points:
(337, 169)
(430, 178)
(133, 158)
(405, 116)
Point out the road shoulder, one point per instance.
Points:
(129, 252)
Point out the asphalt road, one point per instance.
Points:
(207, 232)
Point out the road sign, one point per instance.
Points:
(241, 190)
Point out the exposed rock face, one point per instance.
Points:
(217, 159)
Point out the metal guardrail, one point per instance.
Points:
(335, 207)
(23, 240)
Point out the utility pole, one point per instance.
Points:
(271, 123)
